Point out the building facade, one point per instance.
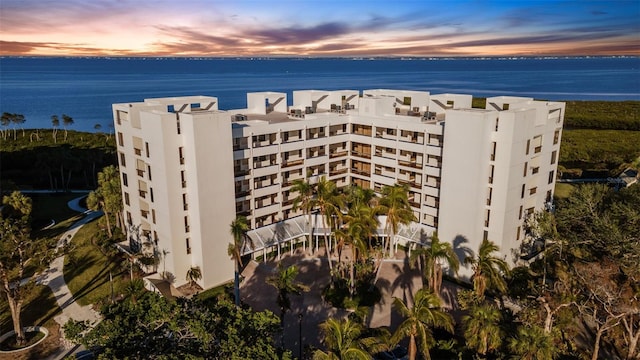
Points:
(188, 168)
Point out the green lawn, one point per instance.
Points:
(40, 308)
(563, 190)
(87, 269)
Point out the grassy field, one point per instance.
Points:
(87, 269)
(563, 190)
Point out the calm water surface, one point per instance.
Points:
(85, 88)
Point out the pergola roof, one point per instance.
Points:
(284, 231)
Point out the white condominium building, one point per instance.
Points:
(188, 168)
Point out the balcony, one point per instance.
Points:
(241, 171)
(143, 194)
(242, 193)
(289, 163)
(361, 172)
(410, 182)
(411, 163)
(137, 151)
(361, 154)
(338, 153)
(140, 173)
(333, 172)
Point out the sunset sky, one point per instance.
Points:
(319, 28)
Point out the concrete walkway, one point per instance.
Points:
(54, 278)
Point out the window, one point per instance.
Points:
(185, 204)
(178, 125)
(153, 215)
(149, 171)
(183, 179)
(146, 148)
(549, 196)
(533, 190)
(556, 136)
(125, 180)
(129, 221)
(554, 154)
(535, 170)
(188, 246)
(522, 192)
(526, 165)
(505, 106)
(487, 216)
(126, 198)
(181, 155)
(123, 161)
(520, 213)
(528, 146)
(171, 108)
(120, 139)
(151, 193)
(518, 233)
(186, 224)
(551, 176)
(493, 151)
(485, 235)
(497, 120)
(491, 168)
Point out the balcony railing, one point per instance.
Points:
(410, 163)
(292, 163)
(336, 154)
(242, 193)
(361, 154)
(333, 172)
(411, 183)
(360, 172)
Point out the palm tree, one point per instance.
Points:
(418, 321)
(239, 227)
(394, 203)
(285, 282)
(482, 328)
(343, 340)
(55, 123)
(488, 270)
(359, 224)
(329, 201)
(193, 275)
(133, 289)
(66, 121)
(433, 258)
(304, 201)
(532, 343)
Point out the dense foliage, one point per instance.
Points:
(33, 160)
(618, 115)
(153, 327)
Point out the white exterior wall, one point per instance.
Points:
(445, 160)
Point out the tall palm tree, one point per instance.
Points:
(532, 343)
(134, 289)
(343, 340)
(304, 201)
(359, 224)
(193, 275)
(285, 282)
(394, 203)
(418, 321)
(433, 258)
(482, 328)
(330, 202)
(239, 227)
(488, 270)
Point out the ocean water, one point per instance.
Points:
(85, 88)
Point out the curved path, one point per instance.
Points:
(54, 276)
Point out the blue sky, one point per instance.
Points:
(319, 28)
